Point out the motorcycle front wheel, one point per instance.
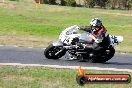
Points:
(54, 52)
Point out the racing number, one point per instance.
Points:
(67, 39)
(115, 39)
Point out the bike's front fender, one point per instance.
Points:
(57, 43)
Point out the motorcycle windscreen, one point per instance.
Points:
(85, 38)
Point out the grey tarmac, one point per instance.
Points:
(9, 54)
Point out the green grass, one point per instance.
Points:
(23, 19)
(42, 77)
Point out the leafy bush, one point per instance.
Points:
(101, 3)
(52, 2)
(13, 0)
(70, 2)
(113, 4)
(62, 2)
(89, 3)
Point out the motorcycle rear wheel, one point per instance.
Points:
(104, 57)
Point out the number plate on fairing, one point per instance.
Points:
(115, 40)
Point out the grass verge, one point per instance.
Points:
(21, 18)
(42, 77)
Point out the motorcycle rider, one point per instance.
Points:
(97, 30)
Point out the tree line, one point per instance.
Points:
(107, 4)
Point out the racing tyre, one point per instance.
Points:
(107, 55)
(54, 52)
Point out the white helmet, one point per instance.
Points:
(96, 22)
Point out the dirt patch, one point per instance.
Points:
(12, 6)
(56, 9)
(26, 41)
(120, 14)
(8, 5)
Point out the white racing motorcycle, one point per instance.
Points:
(68, 42)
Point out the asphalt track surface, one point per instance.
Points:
(9, 54)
